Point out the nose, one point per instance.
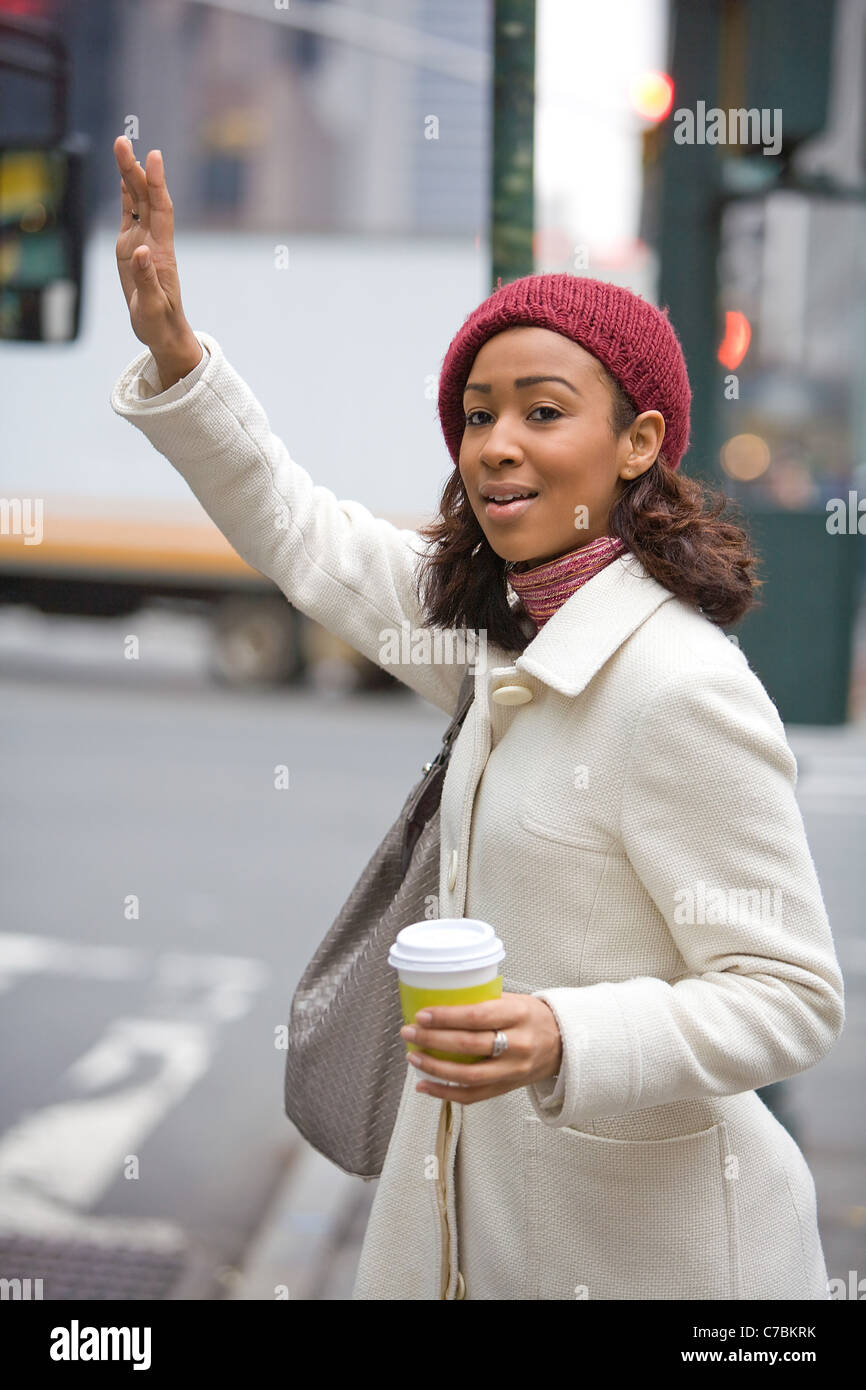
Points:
(502, 444)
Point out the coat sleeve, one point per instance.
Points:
(350, 571)
(710, 823)
(149, 389)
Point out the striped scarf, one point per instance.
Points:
(543, 588)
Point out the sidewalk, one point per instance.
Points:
(310, 1239)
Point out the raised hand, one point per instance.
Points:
(147, 265)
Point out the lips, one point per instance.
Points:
(506, 511)
(506, 487)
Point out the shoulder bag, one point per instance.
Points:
(346, 1062)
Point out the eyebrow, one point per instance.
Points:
(520, 382)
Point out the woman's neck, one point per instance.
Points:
(543, 588)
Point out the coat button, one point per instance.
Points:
(511, 695)
(452, 872)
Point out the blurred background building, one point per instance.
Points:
(308, 118)
(330, 166)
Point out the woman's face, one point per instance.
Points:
(525, 431)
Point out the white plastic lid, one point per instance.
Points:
(449, 943)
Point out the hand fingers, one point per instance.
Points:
(161, 206)
(505, 1012)
(151, 295)
(475, 1080)
(129, 166)
(157, 189)
(470, 1044)
(134, 178)
(127, 207)
(496, 1069)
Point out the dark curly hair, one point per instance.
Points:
(672, 523)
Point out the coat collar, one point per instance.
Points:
(588, 627)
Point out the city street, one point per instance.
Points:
(162, 896)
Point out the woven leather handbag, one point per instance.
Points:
(346, 1062)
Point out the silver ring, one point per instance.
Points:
(500, 1043)
(136, 216)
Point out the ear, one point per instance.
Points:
(644, 442)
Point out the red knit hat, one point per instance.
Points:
(633, 339)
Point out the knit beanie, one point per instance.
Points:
(633, 339)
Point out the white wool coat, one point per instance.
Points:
(629, 826)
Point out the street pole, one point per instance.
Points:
(512, 194)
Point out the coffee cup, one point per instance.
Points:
(449, 960)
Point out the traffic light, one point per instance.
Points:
(652, 95)
(776, 56)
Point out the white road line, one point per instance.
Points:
(24, 955)
(58, 1161)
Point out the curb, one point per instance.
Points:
(309, 1242)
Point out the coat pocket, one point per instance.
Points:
(628, 1219)
(561, 824)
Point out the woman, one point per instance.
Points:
(619, 803)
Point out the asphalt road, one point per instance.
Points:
(161, 895)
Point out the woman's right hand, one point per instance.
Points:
(147, 265)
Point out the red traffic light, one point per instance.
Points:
(652, 95)
(735, 344)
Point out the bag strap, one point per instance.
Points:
(465, 696)
(429, 790)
